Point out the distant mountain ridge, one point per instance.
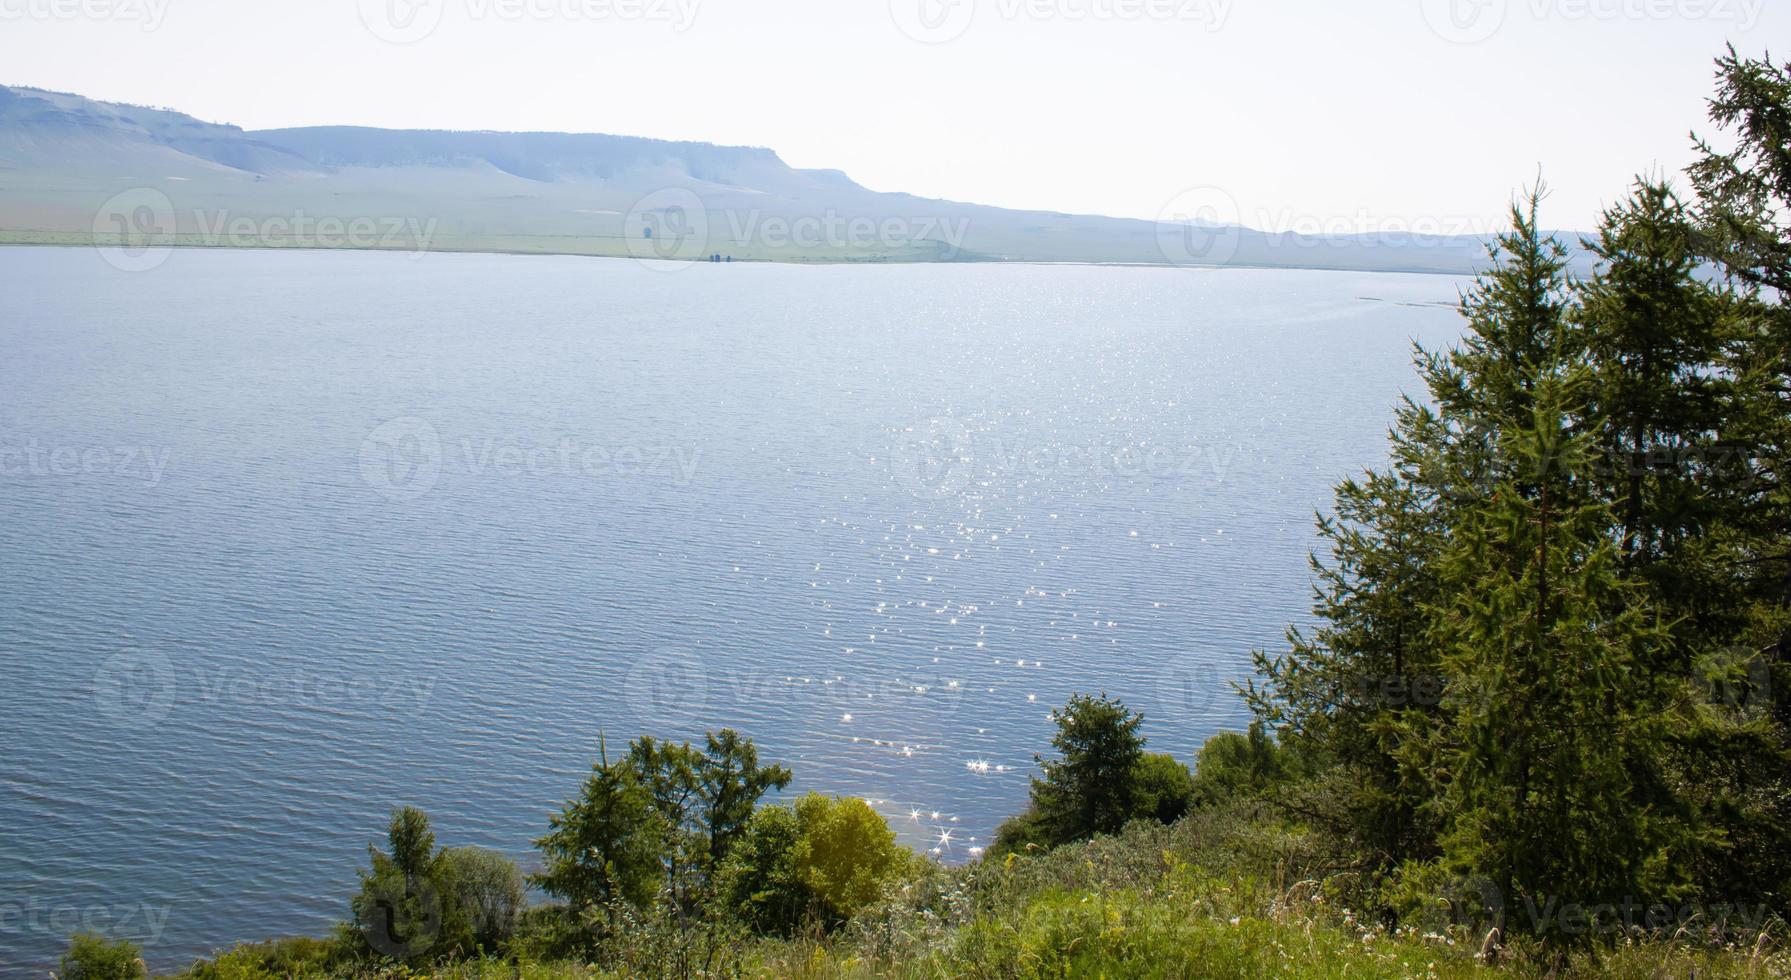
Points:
(65, 160)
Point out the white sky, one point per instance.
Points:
(1323, 115)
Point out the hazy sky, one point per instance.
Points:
(1310, 114)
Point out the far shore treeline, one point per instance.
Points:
(1542, 724)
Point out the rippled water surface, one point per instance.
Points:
(289, 538)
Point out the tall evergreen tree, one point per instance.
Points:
(1551, 708)
(1652, 332)
(1744, 217)
(1363, 690)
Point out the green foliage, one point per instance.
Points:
(93, 957)
(1234, 766)
(1101, 780)
(845, 854)
(606, 843)
(1552, 628)
(819, 862)
(1089, 789)
(760, 880)
(1162, 788)
(1555, 713)
(404, 910)
(489, 891)
(278, 960)
(733, 782)
(704, 799)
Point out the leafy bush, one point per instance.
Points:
(1232, 766)
(93, 957)
(489, 891)
(819, 862)
(277, 960)
(1162, 788)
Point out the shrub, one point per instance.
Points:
(93, 957)
(488, 890)
(1162, 788)
(821, 861)
(760, 881)
(846, 854)
(1239, 766)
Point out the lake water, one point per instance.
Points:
(287, 539)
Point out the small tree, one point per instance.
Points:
(846, 854)
(402, 910)
(606, 844)
(1162, 788)
(489, 890)
(1233, 765)
(759, 881)
(1090, 788)
(733, 781)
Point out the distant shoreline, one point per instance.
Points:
(14, 239)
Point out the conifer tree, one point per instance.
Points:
(1363, 690)
(1551, 705)
(605, 844)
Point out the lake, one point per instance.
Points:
(290, 538)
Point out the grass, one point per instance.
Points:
(1224, 893)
